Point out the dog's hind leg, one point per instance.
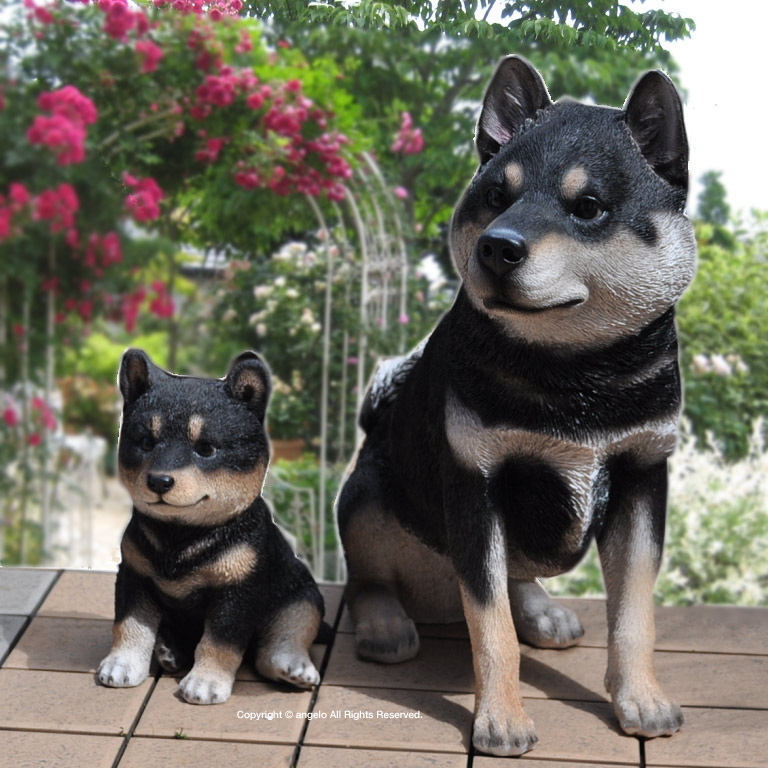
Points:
(539, 620)
(383, 630)
(283, 652)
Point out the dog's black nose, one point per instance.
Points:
(501, 250)
(159, 483)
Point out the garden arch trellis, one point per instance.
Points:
(368, 234)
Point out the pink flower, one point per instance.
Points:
(408, 139)
(57, 206)
(401, 192)
(35, 439)
(59, 134)
(151, 55)
(403, 319)
(245, 43)
(18, 195)
(64, 131)
(142, 204)
(10, 417)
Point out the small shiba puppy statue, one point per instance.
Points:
(540, 413)
(206, 576)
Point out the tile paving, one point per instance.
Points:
(55, 626)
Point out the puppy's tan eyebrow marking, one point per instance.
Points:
(515, 177)
(574, 182)
(195, 427)
(155, 425)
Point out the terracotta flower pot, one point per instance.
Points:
(290, 449)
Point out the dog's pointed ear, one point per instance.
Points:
(654, 115)
(515, 94)
(249, 382)
(136, 374)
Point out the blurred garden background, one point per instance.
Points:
(197, 178)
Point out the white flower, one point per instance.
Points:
(292, 293)
(280, 282)
(262, 291)
(720, 366)
(229, 316)
(701, 364)
(261, 329)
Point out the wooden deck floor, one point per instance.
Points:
(55, 628)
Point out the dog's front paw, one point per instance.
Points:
(123, 670)
(205, 688)
(388, 640)
(296, 669)
(647, 713)
(504, 735)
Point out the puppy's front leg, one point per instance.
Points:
(218, 656)
(630, 548)
(479, 552)
(137, 619)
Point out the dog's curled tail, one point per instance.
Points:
(388, 377)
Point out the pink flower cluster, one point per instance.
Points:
(143, 202)
(161, 304)
(38, 13)
(216, 9)
(58, 206)
(102, 252)
(42, 418)
(17, 201)
(408, 140)
(64, 130)
(308, 165)
(210, 152)
(150, 55)
(121, 19)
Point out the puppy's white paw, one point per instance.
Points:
(205, 688)
(296, 669)
(123, 669)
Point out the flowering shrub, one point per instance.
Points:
(180, 108)
(723, 321)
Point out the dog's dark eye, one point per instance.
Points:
(146, 443)
(205, 449)
(496, 199)
(587, 208)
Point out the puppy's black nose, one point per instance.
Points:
(501, 250)
(159, 483)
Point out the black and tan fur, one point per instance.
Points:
(541, 412)
(206, 577)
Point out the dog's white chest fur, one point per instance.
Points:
(577, 463)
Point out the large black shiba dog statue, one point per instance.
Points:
(541, 412)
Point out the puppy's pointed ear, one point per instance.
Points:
(654, 115)
(515, 94)
(136, 374)
(249, 382)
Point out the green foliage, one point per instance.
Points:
(33, 543)
(722, 321)
(713, 206)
